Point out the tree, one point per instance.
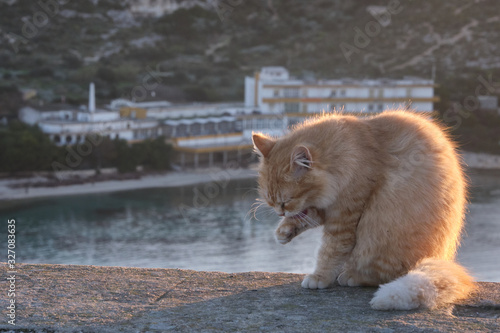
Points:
(11, 100)
(25, 148)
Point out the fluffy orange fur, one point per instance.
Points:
(390, 193)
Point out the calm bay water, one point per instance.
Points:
(163, 228)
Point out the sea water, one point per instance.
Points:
(206, 227)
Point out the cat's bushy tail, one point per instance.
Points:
(433, 282)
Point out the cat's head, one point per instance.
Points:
(290, 175)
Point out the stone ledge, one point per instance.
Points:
(66, 298)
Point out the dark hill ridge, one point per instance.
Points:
(204, 52)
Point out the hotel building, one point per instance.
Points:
(273, 91)
(209, 134)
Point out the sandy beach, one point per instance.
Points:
(170, 179)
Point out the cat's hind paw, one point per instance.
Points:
(313, 281)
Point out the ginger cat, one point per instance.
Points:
(390, 193)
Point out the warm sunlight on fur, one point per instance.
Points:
(390, 193)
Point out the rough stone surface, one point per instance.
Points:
(64, 298)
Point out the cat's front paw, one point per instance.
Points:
(285, 233)
(313, 281)
(347, 280)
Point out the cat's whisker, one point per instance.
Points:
(258, 205)
(253, 210)
(309, 220)
(302, 222)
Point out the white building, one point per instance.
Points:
(217, 132)
(273, 91)
(163, 110)
(158, 8)
(200, 132)
(68, 126)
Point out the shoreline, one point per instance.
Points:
(474, 161)
(170, 179)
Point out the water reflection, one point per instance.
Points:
(193, 228)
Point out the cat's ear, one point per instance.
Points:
(262, 143)
(301, 160)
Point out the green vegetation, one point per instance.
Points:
(11, 101)
(477, 131)
(25, 148)
(474, 129)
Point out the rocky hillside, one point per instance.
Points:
(200, 50)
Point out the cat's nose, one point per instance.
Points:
(281, 214)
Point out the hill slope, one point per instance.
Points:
(203, 53)
(200, 50)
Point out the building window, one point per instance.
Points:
(381, 107)
(291, 107)
(370, 107)
(209, 128)
(333, 93)
(225, 127)
(342, 92)
(168, 130)
(195, 129)
(57, 139)
(181, 130)
(276, 93)
(68, 139)
(238, 126)
(291, 92)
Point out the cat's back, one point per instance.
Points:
(424, 166)
(401, 132)
(424, 176)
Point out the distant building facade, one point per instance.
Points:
(201, 133)
(161, 7)
(66, 125)
(214, 133)
(489, 103)
(273, 91)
